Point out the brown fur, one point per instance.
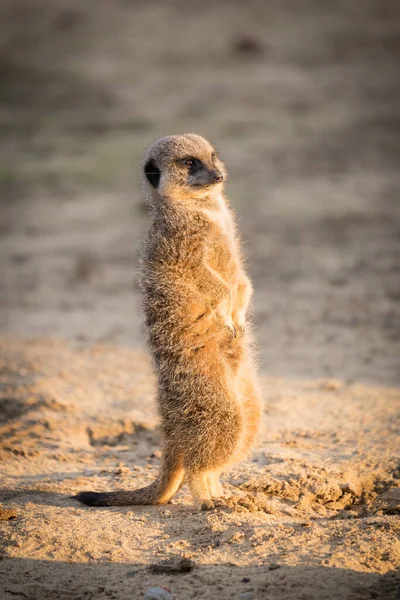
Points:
(195, 296)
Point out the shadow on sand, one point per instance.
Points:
(39, 580)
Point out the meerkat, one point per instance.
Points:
(195, 294)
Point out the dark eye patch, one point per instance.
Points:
(193, 164)
(152, 173)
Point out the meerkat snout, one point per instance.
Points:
(200, 174)
(183, 167)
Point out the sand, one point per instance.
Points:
(313, 514)
(302, 101)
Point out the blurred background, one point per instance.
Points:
(301, 99)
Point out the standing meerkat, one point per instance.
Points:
(195, 296)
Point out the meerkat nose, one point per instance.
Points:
(217, 176)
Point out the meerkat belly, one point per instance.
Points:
(222, 260)
(220, 264)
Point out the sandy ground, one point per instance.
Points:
(302, 100)
(314, 514)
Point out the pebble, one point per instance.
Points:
(351, 488)
(158, 593)
(173, 565)
(7, 515)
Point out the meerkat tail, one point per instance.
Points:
(158, 492)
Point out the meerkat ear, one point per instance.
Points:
(152, 173)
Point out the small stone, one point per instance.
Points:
(246, 596)
(245, 580)
(173, 565)
(158, 593)
(352, 488)
(7, 515)
(274, 566)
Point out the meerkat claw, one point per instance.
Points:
(241, 330)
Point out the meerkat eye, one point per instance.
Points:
(189, 162)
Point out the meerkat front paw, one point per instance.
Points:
(240, 327)
(225, 314)
(233, 330)
(240, 330)
(241, 318)
(227, 321)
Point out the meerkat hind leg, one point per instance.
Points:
(199, 487)
(214, 484)
(205, 486)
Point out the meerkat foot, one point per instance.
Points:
(207, 505)
(206, 489)
(215, 503)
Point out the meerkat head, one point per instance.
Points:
(183, 168)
